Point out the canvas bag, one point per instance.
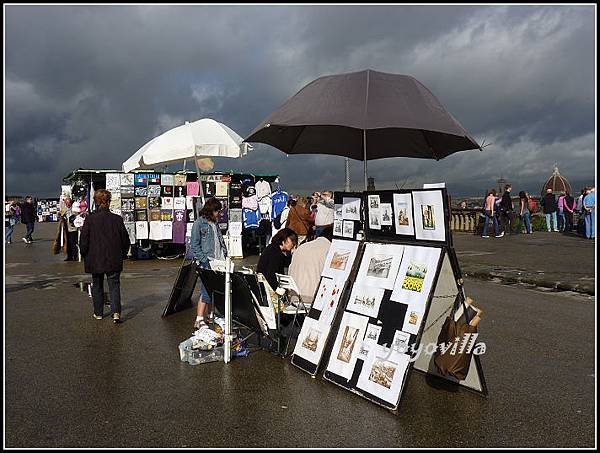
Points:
(455, 365)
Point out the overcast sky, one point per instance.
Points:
(86, 86)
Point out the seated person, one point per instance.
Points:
(277, 256)
(308, 262)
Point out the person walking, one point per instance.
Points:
(507, 210)
(28, 217)
(589, 205)
(569, 208)
(549, 207)
(560, 213)
(69, 216)
(524, 214)
(104, 243)
(490, 213)
(12, 212)
(207, 244)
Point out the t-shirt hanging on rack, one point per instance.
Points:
(263, 192)
(251, 218)
(279, 201)
(250, 202)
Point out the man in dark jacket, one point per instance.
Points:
(104, 243)
(28, 217)
(507, 210)
(549, 206)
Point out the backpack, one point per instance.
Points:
(532, 205)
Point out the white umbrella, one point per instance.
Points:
(205, 137)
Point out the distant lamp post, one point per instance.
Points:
(347, 169)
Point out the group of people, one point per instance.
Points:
(302, 234)
(20, 212)
(503, 213)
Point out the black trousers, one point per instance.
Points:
(72, 245)
(568, 220)
(114, 291)
(507, 218)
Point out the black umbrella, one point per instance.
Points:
(396, 115)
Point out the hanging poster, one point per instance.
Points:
(127, 204)
(141, 215)
(337, 228)
(130, 227)
(167, 203)
(167, 180)
(386, 214)
(371, 336)
(155, 230)
(379, 266)
(338, 212)
(140, 179)
(154, 190)
(348, 230)
(126, 179)
(128, 216)
(365, 300)
(141, 191)
(166, 191)
(347, 345)
(141, 230)
(154, 214)
(179, 203)
(113, 181)
(311, 341)
(428, 209)
(181, 191)
(153, 202)
(221, 189)
(115, 203)
(351, 208)
(383, 372)
(127, 191)
(166, 230)
(153, 178)
(403, 214)
(179, 180)
(340, 258)
(415, 276)
(166, 215)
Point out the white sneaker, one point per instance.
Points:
(500, 235)
(486, 236)
(25, 240)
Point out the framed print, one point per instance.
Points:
(351, 208)
(324, 291)
(337, 228)
(415, 277)
(383, 373)
(141, 230)
(403, 214)
(347, 345)
(370, 340)
(387, 214)
(379, 265)
(338, 212)
(348, 229)
(340, 258)
(365, 300)
(311, 341)
(428, 214)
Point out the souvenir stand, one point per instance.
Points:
(390, 280)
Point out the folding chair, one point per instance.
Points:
(298, 308)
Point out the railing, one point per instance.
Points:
(466, 220)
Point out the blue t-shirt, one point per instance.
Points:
(279, 201)
(589, 200)
(250, 218)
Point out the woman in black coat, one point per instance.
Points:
(277, 256)
(104, 243)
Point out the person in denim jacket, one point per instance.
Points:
(207, 244)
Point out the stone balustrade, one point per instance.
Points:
(465, 220)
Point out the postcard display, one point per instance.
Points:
(397, 289)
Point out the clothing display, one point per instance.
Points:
(263, 193)
(250, 218)
(250, 202)
(193, 188)
(279, 201)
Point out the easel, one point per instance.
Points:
(445, 293)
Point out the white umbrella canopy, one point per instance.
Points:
(202, 138)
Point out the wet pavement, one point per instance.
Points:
(72, 381)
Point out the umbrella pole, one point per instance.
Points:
(365, 155)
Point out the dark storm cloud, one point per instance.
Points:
(86, 86)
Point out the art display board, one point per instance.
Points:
(417, 216)
(369, 355)
(448, 295)
(348, 215)
(336, 275)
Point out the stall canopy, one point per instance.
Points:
(202, 138)
(364, 115)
